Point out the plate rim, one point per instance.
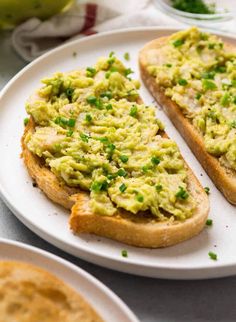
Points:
(118, 302)
(82, 252)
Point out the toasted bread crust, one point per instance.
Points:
(124, 227)
(29, 293)
(224, 178)
(44, 178)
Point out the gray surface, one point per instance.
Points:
(150, 299)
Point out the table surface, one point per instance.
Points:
(150, 299)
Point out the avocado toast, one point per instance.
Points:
(91, 144)
(192, 75)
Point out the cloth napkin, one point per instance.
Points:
(86, 17)
(34, 37)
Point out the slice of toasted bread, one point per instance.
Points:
(29, 293)
(140, 230)
(224, 178)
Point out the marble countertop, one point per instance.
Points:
(150, 299)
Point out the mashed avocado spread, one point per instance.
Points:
(94, 134)
(198, 72)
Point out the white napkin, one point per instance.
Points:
(34, 37)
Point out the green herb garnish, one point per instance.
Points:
(90, 71)
(26, 121)
(182, 194)
(98, 186)
(88, 118)
(212, 255)
(84, 137)
(209, 222)
(159, 187)
(126, 56)
(155, 160)
(124, 158)
(124, 253)
(178, 43)
(121, 172)
(139, 198)
(193, 6)
(207, 84)
(207, 190)
(122, 187)
(182, 82)
(133, 111)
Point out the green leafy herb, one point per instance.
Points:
(98, 186)
(122, 187)
(178, 43)
(62, 121)
(182, 82)
(71, 122)
(208, 75)
(84, 137)
(90, 71)
(212, 255)
(128, 71)
(93, 100)
(194, 6)
(69, 133)
(124, 158)
(126, 56)
(69, 92)
(109, 107)
(159, 187)
(220, 69)
(207, 190)
(207, 84)
(168, 65)
(233, 124)
(198, 96)
(133, 111)
(182, 194)
(26, 121)
(107, 94)
(209, 222)
(155, 160)
(124, 253)
(121, 172)
(139, 198)
(225, 99)
(88, 118)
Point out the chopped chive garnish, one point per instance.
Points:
(133, 111)
(159, 187)
(207, 190)
(225, 99)
(111, 146)
(178, 43)
(208, 75)
(69, 92)
(111, 54)
(128, 71)
(208, 84)
(126, 56)
(145, 168)
(155, 160)
(139, 198)
(124, 253)
(182, 194)
(71, 122)
(211, 46)
(90, 71)
(198, 96)
(233, 124)
(182, 82)
(168, 65)
(124, 158)
(99, 186)
(121, 172)
(69, 133)
(26, 121)
(122, 187)
(212, 255)
(107, 94)
(209, 222)
(109, 107)
(84, 137)
(88, 118)
(91, 99)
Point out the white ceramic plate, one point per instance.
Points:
(184, 261)
(95, 293)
